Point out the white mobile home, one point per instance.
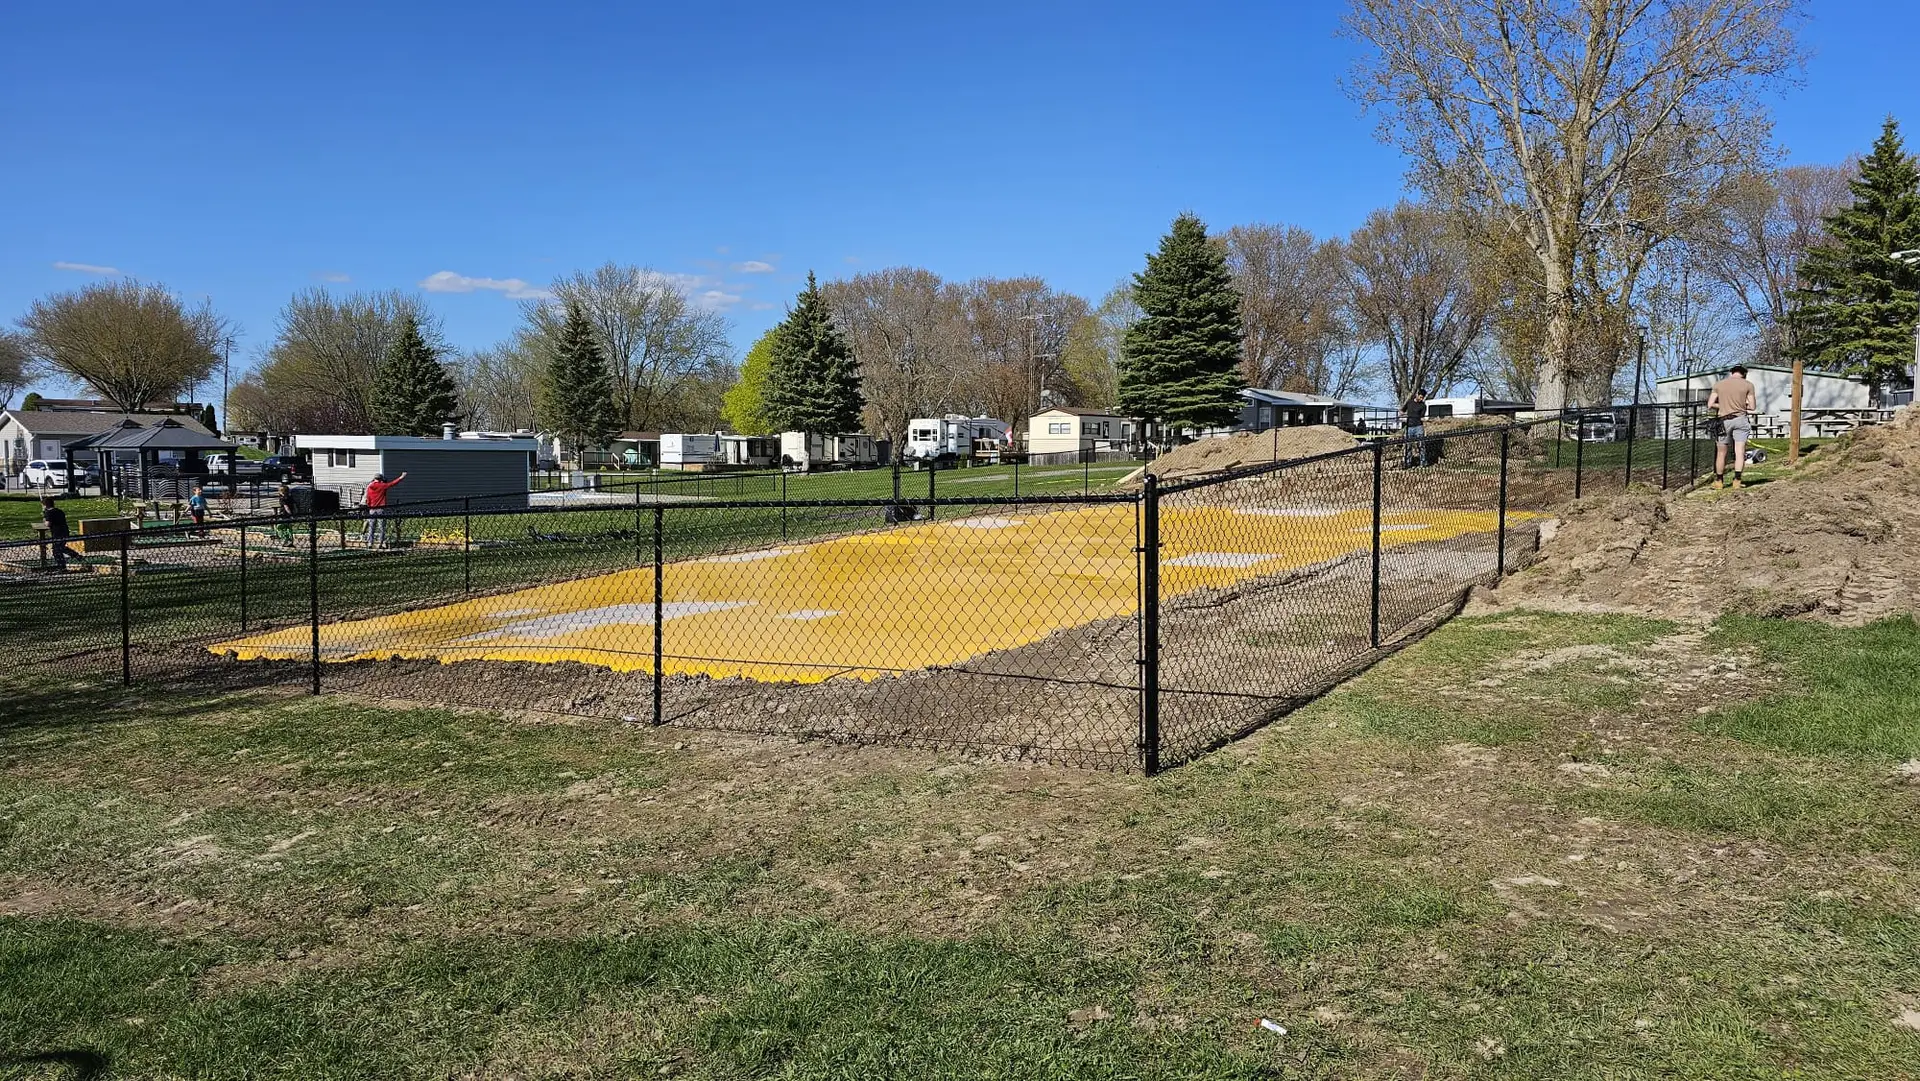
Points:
(1065, 428)
(491, 472)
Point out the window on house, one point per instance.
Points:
(1059, 427)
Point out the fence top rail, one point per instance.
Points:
(457, 508)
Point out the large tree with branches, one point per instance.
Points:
(1570, 122)
(134, 343)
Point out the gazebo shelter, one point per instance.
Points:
(157, 461)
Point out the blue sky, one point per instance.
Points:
(244, 151)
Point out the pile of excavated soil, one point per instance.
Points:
(1217, 454)
(1838, 541)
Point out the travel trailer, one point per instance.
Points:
(944, 440)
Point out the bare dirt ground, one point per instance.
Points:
(1221, 453)
(1837, 540)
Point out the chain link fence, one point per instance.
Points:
(1134, 628)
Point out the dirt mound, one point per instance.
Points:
(1219, 453)
(1838, 540)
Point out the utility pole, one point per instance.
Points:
(226, 373)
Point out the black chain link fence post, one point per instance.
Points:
(243, 576)
(126, 610)
(1500, 566)
(466, 546)
(933, 507)
(1579, 451)
(1666, 446)
(1150, 626)
(1379, 468)
(659, 610)
(313, 591)
(1693, 444)
(783, 502)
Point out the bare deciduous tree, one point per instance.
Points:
(500, 385)
(1551, 116)
(903, 324)
(1293, 291)
(1016, 332)
(320, 369)
(1415, 296)
(133, 343)
(658, 342)
(16, 365)
(1752, 246)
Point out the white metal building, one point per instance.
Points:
(1773, 392)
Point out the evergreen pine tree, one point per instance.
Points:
(813, 382)
(576, 398)
(1856, 305)
(207, 418)
(1180, 362)
(413, 394)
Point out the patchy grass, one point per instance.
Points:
(1513, 850)
(1849, 691)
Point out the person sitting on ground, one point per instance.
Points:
(57, 532)
(197, 507)
(377, 488)
(1732, 401)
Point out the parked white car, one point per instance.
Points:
(54, 473)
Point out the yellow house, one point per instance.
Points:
(1066, 428)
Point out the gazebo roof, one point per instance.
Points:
(166, 435)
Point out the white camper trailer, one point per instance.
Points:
(808, 451)
(689, 452)
(943, 440)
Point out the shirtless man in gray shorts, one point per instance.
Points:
(1732, 400)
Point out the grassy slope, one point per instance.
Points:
(1516, 850)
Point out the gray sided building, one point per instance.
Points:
(442, 474)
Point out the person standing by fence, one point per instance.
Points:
(1733, 403)
(377, 488)
(1413, 426)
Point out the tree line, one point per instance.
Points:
(1588, 177)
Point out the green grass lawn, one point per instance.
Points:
(1518, 849)
(19, 513)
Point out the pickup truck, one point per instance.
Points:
(221, 464)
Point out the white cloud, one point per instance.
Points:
(86, 268)
(718, 300)
(446, 281)
(761, 306)
(754, 266)
(333, 276)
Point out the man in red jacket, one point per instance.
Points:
(377, 508)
